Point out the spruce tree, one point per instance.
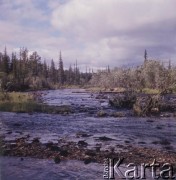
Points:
(70, 75)
(61, 70)
(53, 72)
(14, 66)
(145, 55)
(5, 62)
(1, 62)
(45, 72)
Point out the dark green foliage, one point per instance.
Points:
(28, 72)
(126, 100)
(4, 62)
(53, 72)
(145, 55)
(61, 70)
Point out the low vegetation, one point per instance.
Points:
(151, 77)
(150, 91)
(16, 102)
(28, 103)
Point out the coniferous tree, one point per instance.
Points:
(5, 62)
(45, 70)
(61, 70)
(70, 75)
(14, 66)
(34, 63)
(53, 72)
(24, 64)
(145, 55)
(77, 74)
(1, 62)
(108, 69)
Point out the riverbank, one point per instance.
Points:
(30, 102)
(64, 150)
(120, 90)
(108, 104)
(61, 138)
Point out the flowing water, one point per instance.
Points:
(146, 132)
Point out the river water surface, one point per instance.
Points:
(157, 133)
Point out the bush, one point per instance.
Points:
(101, 113)
(126, 100)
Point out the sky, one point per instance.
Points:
(97, 33)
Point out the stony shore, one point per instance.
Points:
(64, 150)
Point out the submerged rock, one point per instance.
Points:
(49, 144)
(55, 148)
(98, 148)
(9, 132)
(88, 159)
(90, 153)
(35, 140)
(64, 153)
(82, 134)
(104, 138)
(118, 114)
(82, 143)
(57, 160)
(17, 124)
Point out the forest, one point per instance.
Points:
(21, 72)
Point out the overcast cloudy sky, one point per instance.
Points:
(95, 32)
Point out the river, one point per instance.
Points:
(146, 132)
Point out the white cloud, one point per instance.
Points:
(96, 32)
(18, 10)
(111, 30)
(53, 4)
(103, 17)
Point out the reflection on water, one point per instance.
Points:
(147, 132)
(123, 131)
(13, 168)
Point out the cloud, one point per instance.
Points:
(96, 32)
(101, 17)
(110, 25)
(18, 10)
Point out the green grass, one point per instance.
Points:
(17, 102)
(19, 107)
(30, 107)
(15, 97)
(150, 91)
(25, 103)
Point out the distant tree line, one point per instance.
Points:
(19, 72)
(152, 74)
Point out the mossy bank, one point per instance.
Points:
(28, 103)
